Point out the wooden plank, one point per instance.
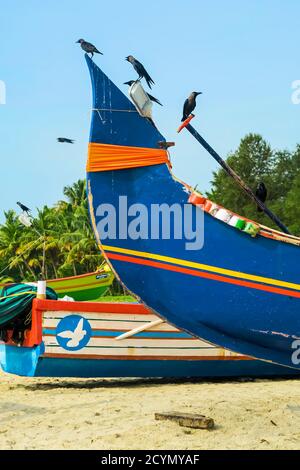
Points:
(187, 420)
(139, 329)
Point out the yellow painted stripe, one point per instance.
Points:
(18, 294)
(204, 267)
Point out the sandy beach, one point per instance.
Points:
(119, 414)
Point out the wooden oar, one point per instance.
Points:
(144, 327)
(236, 178)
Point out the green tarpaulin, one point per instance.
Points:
(16, 301)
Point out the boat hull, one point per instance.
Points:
(242, 292)
(25, 365)
(236, 291)
(161, 351)
(87, 287)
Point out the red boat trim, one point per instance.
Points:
(91, 307)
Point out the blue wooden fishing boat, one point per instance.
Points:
(116, 339)
(240, 291)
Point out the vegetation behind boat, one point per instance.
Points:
(70, 246)
(255, 162)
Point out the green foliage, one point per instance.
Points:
(292, 206)
(63, 231)
(254, 161)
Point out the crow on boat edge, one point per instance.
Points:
(190, 104)
(88, 47)
(261, 193)
(140, 69)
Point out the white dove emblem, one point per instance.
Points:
(76, 336)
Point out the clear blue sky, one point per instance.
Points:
(243, 55)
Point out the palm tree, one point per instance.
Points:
(60, 237)
(76, 194)
(11, 234)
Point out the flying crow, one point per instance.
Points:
(190, 104)
(152, 98)
(140, 69)
(23, 208)
(261, 193)
(64, 140)
(88, 47)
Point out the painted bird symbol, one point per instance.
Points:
(75, 337)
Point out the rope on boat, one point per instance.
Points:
(237, 178)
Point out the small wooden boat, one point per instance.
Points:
(240, 291)
(95, 339)
(85, 287)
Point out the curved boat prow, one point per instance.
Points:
(115, 119)
(230, 289)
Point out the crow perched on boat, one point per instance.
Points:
(165, 145)
(152, 98)
(24, 208)
(190, 104)
(140, 69)
(261, 193)
(64, 140)
(88, 47)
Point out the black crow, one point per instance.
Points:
(24, 208)
(88, 47)
(165, 145)
(152, 98)
(190, 104)
(140, 69)
(63, 140)
(261, 193)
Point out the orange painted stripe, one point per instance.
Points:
(150, 358)
(107, 157)
(206, 275)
